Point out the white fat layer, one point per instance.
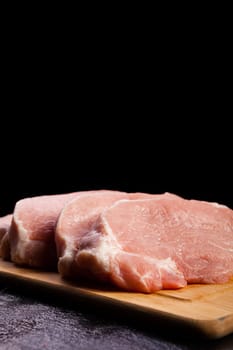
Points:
(141, 200)
(217, 205)
(19, 250)
(69, 252)
(167, 264)
(110, 233)
(69, 243)
(103, 253)
(108, 246)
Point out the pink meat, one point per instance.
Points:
(160, 243)
(32, 230)
(5, 222)
(76, 220)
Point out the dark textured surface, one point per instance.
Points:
(42, 322)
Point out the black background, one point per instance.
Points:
(155, 154)
(123, 123)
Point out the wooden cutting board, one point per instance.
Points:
(206, 308)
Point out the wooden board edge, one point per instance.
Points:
(209, 328)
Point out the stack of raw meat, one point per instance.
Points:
(136, 241)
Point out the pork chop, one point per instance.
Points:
(164, 242)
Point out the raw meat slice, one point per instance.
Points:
(32, 230)
(5, 222)
(153, 244)
(75, 220)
